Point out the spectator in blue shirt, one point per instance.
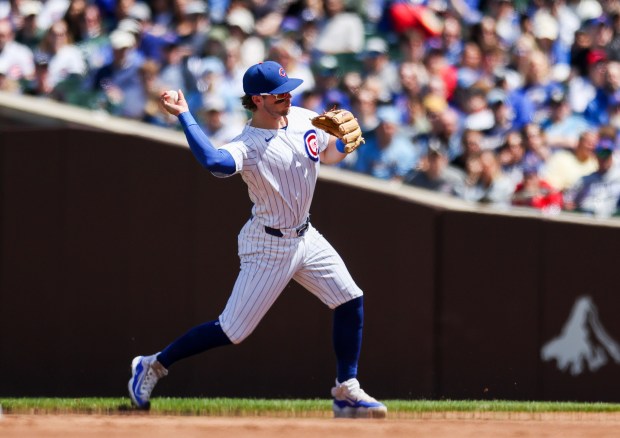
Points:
(563, 127)
(119, 83)
(535, 92)
(387, 154)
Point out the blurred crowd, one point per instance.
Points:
(499, 102)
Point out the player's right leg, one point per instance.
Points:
(147, 370)
(267, 265)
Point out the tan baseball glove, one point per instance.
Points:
(342, 124)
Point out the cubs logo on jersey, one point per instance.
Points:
(312, 145)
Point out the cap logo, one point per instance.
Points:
(282, 72)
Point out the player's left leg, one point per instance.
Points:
(350, 400)
(325, 275)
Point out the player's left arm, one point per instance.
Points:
(332, 153)
(345, 134)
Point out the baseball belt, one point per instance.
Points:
(297, 232)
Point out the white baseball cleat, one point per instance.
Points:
(145, 372)
(350, 401)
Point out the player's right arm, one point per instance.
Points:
(218, 161)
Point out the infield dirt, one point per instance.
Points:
(442, 425)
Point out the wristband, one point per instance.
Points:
(340, 146)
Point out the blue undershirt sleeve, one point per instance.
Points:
(215, 160)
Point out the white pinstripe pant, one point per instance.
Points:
(268, 263)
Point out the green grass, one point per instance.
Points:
(285, 408)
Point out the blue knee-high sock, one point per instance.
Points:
(198, 339)
(348, 323)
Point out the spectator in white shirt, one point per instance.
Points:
(65, 58)
(16, 58)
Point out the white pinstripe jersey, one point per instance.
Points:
(280, 168)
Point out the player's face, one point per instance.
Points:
(278, 97)
(277, 104)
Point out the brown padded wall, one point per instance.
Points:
(98, 254)
(581, 261)
(508, 287)
(112, 246)
(489, 306)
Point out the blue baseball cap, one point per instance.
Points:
(268, 77)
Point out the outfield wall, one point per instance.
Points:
(113, 244)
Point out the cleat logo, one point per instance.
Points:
(137, 383)
(583, 339)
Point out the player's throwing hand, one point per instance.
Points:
(172, 104)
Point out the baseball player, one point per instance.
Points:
(278, 155)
